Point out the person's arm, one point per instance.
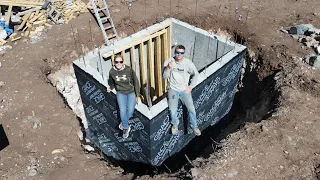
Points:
(195, 74)
(136, 83)
(111, 83)
(167, 69)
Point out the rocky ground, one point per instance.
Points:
(274, 131)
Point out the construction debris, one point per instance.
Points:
(37, 15)
(309, 36)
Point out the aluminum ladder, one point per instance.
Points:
(104, 19)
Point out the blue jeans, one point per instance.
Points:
(126, 103)
(186, 99)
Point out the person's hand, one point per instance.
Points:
(188, 90)
(138, 99)
(108, 90)
(170, 64)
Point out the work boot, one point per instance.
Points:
(197, 131)
(174, 130)
(126, 132)
(121, 127)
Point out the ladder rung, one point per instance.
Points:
(105, 18)
(113, 36)
(102, 9)
(106, 28)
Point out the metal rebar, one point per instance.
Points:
(188, 160)
(219, 10)
(76, 44)
(158, 7)
(178, 6)
(170, 7)
(167, 168)
(247, 16)
(217, 47)
(195, 14)
(145, 8)
(208, 53)
(93, 45)
(224, 47)
(101, 64)
(81, 45)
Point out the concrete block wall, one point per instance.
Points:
(150, 141)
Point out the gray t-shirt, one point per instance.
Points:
(179, 75)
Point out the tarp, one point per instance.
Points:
(6, 28)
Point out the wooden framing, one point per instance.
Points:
(153, 49)
(8, 14)
(23, 3)
(133, 59)
(158, 66)
(142, 65)
(165, 52)
(151, 75)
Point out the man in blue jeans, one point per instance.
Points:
(178, 70)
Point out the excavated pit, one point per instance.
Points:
(255, 97)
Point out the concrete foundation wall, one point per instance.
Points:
(202, 49)
(151, 141)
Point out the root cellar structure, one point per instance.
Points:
(218, 60)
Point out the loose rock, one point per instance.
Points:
(2, 84)
(315, 61)
(300, 29)
(32, 172)
(80, 135)
(194, 172)
(57, 151)
(88, 148)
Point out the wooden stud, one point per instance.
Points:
(165, 56)
(150, 68)
(8, 15)
(142, 66)
(169, 40)
(158, 67)
(132, 57)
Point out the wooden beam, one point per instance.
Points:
(2, 42)
(142, 66)
(150, 68)
(133, 43)
(8, 15)
(158, 67)
(24, 20)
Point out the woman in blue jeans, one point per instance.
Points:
(125, 81)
